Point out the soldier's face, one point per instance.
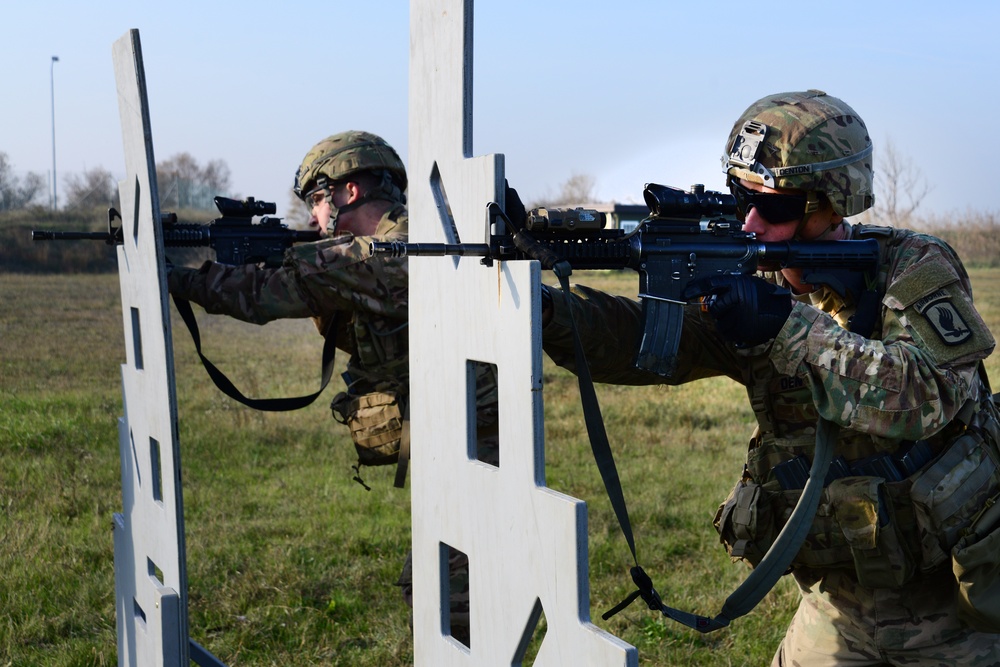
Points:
(815, 225)
(323, 205)
(320, 211)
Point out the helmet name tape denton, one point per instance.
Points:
(806, 141)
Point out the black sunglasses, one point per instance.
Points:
(775, 208)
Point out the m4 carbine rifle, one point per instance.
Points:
(234, 236)
(688, 235)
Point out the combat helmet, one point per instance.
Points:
(807, 141)
(340, 155)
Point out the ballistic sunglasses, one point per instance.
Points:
(777, 209)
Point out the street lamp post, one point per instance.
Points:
(52, 83)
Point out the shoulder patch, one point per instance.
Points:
(942, 316)
(944, 322)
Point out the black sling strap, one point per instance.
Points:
(226, 386)
(598, 435)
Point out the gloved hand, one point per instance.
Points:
(747, 310)
(513, 207)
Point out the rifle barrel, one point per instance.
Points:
(402, 249)
(42, 235)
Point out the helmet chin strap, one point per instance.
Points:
(813, 204)
(386, 191)
(335, 212)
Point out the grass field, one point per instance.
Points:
(289, 560)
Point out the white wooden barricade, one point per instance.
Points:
(526, 544)
(150, 569)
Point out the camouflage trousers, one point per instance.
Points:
(840, 623)
(458, 587)
(488, 451)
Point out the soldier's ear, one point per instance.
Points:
(354, 191)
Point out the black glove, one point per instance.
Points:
(513, 207)
(747, 310)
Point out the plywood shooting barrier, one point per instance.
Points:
(526, 544)
(150, 567)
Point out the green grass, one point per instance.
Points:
(289, 560)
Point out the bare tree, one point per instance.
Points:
(298, 214)
(16, 193)
(183, 183)
(900, 187)
(216, 175)
(577, 190)
(95, 187)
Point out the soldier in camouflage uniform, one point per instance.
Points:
(354, 184)
(916, 452)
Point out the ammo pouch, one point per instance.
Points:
(855, 527)
(745, 524)
(864, 511)
(888, 532)
(975, 558)
(952, 490)
(376, 423)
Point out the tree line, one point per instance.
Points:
(183, 184)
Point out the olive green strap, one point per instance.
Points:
(226, 385)
(404, 450)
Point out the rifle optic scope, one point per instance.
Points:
(667, 202)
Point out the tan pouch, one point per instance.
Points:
(376, 423)
(867, 520)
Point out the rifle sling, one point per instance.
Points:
(226, 386)
(603, 455)
(778, 557)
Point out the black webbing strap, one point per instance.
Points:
(226, 386)
(599, 444)
(603, 456)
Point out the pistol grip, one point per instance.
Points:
(661, 336)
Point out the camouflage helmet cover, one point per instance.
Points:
(806, 141)
(343, 154)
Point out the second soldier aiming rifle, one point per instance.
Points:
(235, 237)
(688, 235)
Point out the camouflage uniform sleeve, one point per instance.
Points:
(341, 274)
(611, 331)
(246, 292)
(912, 380)
(315, 280)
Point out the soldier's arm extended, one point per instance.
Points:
(610, 329)
(315, 279)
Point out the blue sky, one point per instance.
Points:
(627, 92)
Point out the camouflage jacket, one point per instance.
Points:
(318, 280)
(907, 382)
